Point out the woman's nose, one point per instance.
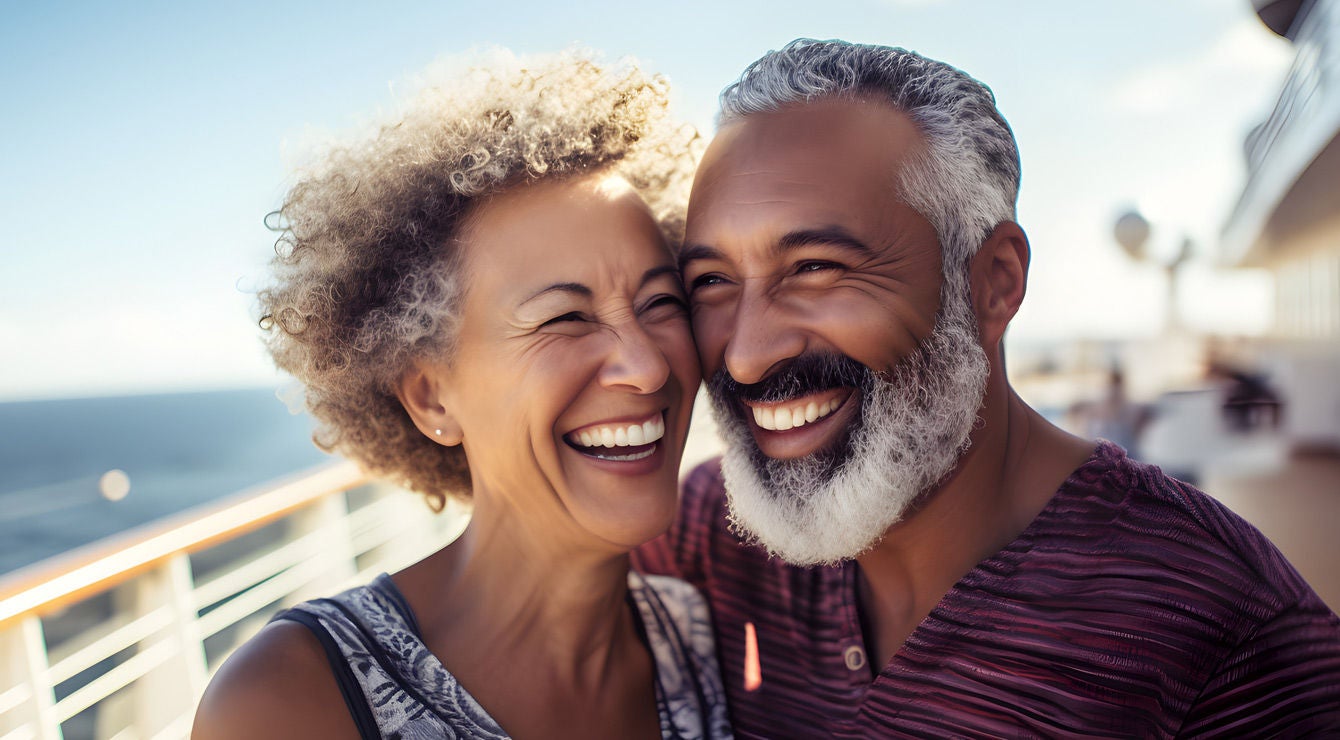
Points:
(634, 362)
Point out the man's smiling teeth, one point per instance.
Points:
(630, 435)
(782, 418)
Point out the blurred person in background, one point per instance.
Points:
(1114, 417)
(481, 303)
(894, 543)
(1249, 402)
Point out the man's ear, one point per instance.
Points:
(422, 391)
(998, 274)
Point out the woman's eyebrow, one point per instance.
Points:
(573, 288)
(658, 271)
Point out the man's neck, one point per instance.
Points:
(1014, 466)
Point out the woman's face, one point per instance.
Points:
(574, 371)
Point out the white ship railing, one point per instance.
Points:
(118, 639)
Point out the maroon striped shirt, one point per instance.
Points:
(1132, 606)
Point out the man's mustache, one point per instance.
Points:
(806, 374)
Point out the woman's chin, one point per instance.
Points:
(633, 529)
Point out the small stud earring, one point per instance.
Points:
(438, 432)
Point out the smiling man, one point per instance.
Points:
(894, 543)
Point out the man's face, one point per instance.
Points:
(843, 388)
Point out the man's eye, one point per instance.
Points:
(569, 316)
(817, 266)
(703, 281)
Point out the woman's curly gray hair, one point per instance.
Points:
(366, 273)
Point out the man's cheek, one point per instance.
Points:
(709, 334)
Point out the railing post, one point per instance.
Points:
(410, 519)
(23, 663)
(329, 515)
(170, 691)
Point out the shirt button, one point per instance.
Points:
(854, 656)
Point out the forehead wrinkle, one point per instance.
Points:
(776, 178)
(759, 202)
(750, 172)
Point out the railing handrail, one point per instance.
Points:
(48, 585)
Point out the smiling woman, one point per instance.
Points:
(482, 303)
(574, 324)
(368, 259)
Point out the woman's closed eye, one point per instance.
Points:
(564, 318)
(666, 301)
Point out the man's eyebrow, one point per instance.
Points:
(830, 235)
(692, 252)
(574, 288)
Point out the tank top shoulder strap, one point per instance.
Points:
(350, 688)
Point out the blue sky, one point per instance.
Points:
(142, 145)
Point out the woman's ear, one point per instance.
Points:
(999, 278)
(422, 391)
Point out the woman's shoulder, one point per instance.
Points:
(285, 679)
(672, 608)
(678, 628)
(675, 592)
(278, 684)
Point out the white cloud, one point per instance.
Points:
(1181, 123)
(130, 348)
(1246, 60)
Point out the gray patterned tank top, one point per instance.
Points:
(395, 688)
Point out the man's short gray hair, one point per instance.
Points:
(968, 180)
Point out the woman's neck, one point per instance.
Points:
(534, 623)
(512, 589)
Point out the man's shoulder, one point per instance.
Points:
(704, 513)
(705, 518)
(1140, 512)
(680, 551)
(702, 546)
(704, 486)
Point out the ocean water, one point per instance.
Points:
(178, 450)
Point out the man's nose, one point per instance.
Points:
(634, 362)
(763, 338)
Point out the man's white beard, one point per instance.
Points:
(911, 432)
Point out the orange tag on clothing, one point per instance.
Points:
(753, 670)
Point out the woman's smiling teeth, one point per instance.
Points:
(594, 439)
(782, 418)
